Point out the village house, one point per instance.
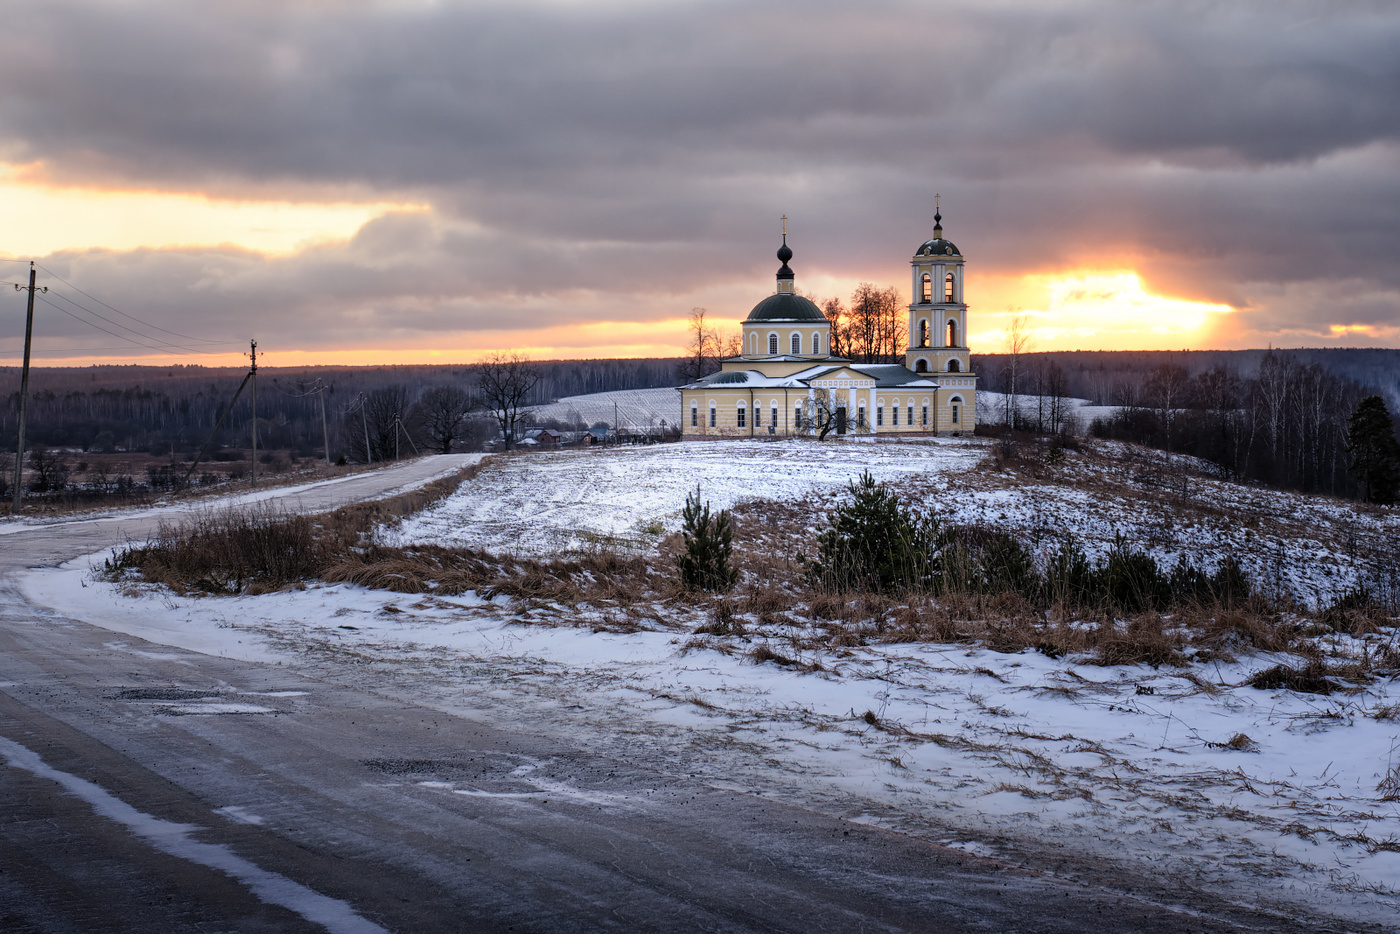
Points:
(785, 383)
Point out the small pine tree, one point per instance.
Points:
(709, 544)
(1375, 454)
(875, 544)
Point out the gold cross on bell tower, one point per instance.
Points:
(784, 225)
(935, 203)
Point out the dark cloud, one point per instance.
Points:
(576, 152)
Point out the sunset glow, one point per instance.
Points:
(42, 219)
(1095, 311)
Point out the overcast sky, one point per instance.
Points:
(572, 177)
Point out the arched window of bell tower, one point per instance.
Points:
(948, 288)
(921, 366)
(954, 366)
(772, 345)
(952, 333)
(926, 294)
(923, 332)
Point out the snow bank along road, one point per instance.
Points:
(151, 788)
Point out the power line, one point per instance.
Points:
(118, 324)
(123, 313)
(120, 337)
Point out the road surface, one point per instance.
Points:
(313, 805)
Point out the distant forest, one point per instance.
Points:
(1099, 375)
(1277, 417)
(172, 410)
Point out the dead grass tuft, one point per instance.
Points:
(763, 653)
(1312, 678)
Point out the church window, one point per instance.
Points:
(758, 416)
(926, 295)
(921, 366)
(956, 405)
(879, 416)
(753, 344)
(694, 415)
(774, 414)
(772, 345)
(954, 366)
(911, 415)
(816, 343)
(712, 416)
(948, 287)
(797, 417)
(923, 332)
(740, 416)
(894, 414)
(925, 422)
(952, 333)
(796, 344)
(860, 416)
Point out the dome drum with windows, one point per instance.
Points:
(787, 383)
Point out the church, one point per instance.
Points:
(787, 384)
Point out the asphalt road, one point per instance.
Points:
(314, 805)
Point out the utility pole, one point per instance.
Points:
(325, 434)
(24, 391)
(253, 374)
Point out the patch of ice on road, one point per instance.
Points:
(211, 708)
(239, 815)
(333, 914)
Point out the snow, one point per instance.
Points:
(1016, 756)
(635, 408)
(548, 503)
(544, 504)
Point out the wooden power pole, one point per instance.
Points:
(24, 391)
(253, 374)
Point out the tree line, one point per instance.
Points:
(173, 410)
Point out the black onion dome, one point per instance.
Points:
(785, 306)
(784, 252)
(937, 246)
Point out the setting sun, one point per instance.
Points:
(1097, 311)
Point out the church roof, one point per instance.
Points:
(937, 246)
(785, 306)
(888, 375)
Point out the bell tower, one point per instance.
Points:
(938, 313)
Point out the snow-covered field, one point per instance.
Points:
(1188, 778)
(548, 503)
(634, 409)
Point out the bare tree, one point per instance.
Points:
(703, 352)
(839, 343)
(1018, 342)
(384, 409)
(504, 382)
(441, 413)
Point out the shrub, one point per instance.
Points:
(709, 544)
(875, 544)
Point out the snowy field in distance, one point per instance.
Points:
(636, 409)
(548, 503)
(543, 504)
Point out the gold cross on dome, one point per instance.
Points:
(784, 225)
(935, 203)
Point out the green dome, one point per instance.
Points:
(784, 306)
